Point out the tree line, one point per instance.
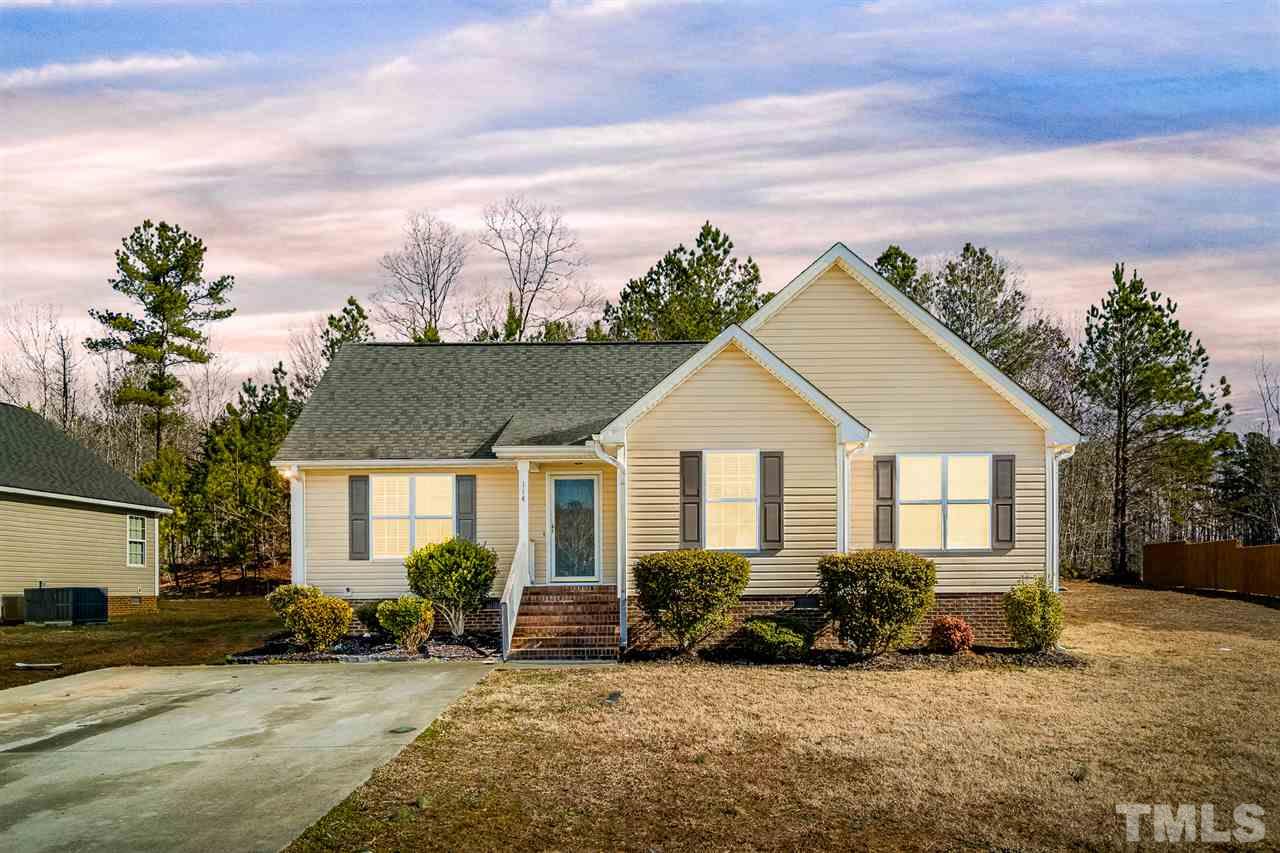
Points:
(151, 396)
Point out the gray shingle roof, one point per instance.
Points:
(456, 401)
(37, 456)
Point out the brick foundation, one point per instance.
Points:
(487, 620)
(128, 605)
(982, 610)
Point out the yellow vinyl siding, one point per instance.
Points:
(327, 565)
(71, 544)
(733, 403)
(915, 397)
(608, 504)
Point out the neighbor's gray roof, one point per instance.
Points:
(37, 456)
(456, 401)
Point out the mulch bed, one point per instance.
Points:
(895, 661)
(360, 648)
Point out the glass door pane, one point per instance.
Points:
(574, 529)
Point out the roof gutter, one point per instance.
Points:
(543, 452)
(57, 496)
(390, 463)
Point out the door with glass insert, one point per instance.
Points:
(573, 529)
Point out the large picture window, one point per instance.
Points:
(944, 502)
(732, 499)
(408, 511)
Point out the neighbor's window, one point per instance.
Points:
(137, 537)
(733, 499)
(944, 502)
(408, 511)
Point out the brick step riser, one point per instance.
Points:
(569, 619)
(585, 656)
(564, 610)
(576, 600)
(556, 643)
(538, 636)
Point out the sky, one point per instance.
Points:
(295, 136)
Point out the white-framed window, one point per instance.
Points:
(944, 501)
(136, 541)
(732, 502)
(408, 511)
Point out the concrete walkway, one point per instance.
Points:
(204, 758)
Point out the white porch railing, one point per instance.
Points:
(519, 576)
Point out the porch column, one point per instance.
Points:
(297, 526)
(522, 477)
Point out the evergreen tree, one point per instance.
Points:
(1148, 374)
(161, 267)
(313, 349)
(691, 294)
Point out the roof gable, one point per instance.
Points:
(849, 428)
(38, 459)
(1056, 428)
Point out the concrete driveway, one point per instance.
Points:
(204, 758)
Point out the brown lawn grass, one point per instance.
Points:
(702, 756)
(182, 632)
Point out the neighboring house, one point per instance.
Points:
(69, 519)
(841, 415)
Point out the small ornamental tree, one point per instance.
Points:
(457, 575)
(688, 594)
(876, 597)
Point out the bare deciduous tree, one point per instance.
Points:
(44, 370)
(542, 259)
(420, 276)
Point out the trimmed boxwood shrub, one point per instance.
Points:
(367, 613)
(776, 640)
(319, 621)
(950, 635)
(688, 594)
(282, 598)
(408, 619)
(1033, 613)
(876, 597)
(457, 575)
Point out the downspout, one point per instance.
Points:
(620, 466)
(1059, 456)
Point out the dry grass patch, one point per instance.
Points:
(181, 632)
(703, 756)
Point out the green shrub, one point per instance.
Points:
(775, 640)
(409, 620)
(876, 597)
(282, 598)
(367, 613)
(319, 621)
(457, 575)
(688, 594)
(1033, 613)
(950, 635)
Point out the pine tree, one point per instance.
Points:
(1148, 374)
(161, 267)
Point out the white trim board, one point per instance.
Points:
(1059, 431)
(14, 490)
(848, 428)
(392, 463)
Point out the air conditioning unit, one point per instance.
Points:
(75, 604)
(13, 609)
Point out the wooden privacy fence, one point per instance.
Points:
(1223, 566)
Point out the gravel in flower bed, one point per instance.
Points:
(358, 648)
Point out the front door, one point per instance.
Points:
(574, 529)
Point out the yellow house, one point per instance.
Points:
(68, 519)
(840, 416)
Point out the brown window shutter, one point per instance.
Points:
(358, 517)
(771, 493)
(885, 473)
(691, 499)
(464, 522)
(1003, 520)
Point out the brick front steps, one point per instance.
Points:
(567, 623)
